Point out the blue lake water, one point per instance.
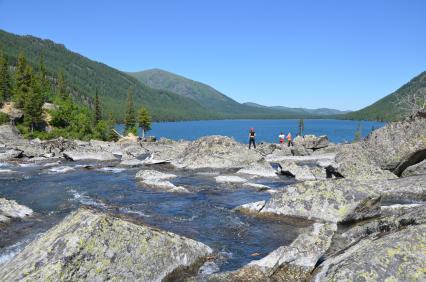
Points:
(266, 130)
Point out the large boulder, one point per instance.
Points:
(311, 141)
(159, 181)
(397, 145)
(399, 256)
(10, 154)
(216, 152)
(259, 169)
(10, 209)
(334, 201)
(93, 246)
(354, 162)
(287, 263)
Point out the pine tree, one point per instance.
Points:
(129, 120)
(5, 82)
(23, 80)
(112, 134)
(301, 126)
(33, 103)
(144, 120)
(44, 82)
(62, 88)
(98, 112)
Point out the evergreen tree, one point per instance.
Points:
(98, 112)
(144, 120)
(112, 134)
(33, 103)
(23, 80)
(301, 126)
(358, 133)
(44, 82)
(129, 120)
(62, 88)
(5, 82)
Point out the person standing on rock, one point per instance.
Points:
(252, 137)
(281, 137)
(289, 139)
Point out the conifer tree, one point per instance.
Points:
(23, 80)
(144, 120)
(62, 88)
(98, 111)
(5, 82)
(301, 126)
(129, 120)
(44, 83)
(33, 103)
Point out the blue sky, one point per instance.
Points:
(338, 54)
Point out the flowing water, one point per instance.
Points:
(206, 214)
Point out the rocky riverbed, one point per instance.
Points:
(212, 210)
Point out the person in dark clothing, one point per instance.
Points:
(252, 137)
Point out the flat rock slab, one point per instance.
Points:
(259, 169)
(329, 201)
(93, 246)
(417, 169)
(77, 155)
(230, 179)
(399, 256)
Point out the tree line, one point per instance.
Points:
(48, 108)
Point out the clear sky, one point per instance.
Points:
(338, 54)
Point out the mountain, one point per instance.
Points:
(387, 108)
(210, 98)
(320, 111)
(84, 76)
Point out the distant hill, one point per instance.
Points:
(387, 109)
(210, 98)
(320, 111)
(84, 75)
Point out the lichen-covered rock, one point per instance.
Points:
(354, 162)
(299, 172)
(287, 263)
(299, 150)
(417, 169)
(216, 152)
(399, 256)
(328, 200)
(406, 189)
(394, 144)
(10, 209)
(78, 155)
(93, 246)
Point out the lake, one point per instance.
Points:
(266, 130)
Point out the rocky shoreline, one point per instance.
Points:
(366, 202)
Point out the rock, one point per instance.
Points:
(354, 162)
(287, 263)
(153, 175)
(49, 106)
(14, 114)
(407, 189)
(77, 155)
(259, 187)
(399, 256)
(417, 169)
(131, 162)
(9, 134)
(300, 173)
(110, 147)
(251, 207)
(311, 141)
(93, 246)
(216, 152)
(298, 150)
(230, 179)
(10, 154)
(260, 169)
(330, 200)
(158, 180)
(10, 209)
(397, 145)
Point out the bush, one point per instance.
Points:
(4, 118)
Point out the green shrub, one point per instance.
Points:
(4, 118)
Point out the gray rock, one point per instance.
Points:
(398, 144)
(417, 169)
(399, 256)
(354, 162)
(330, 201)
(10, 154)
(216, 152)
(153, 175)
(230, 179)
(10, 209)
(159, 180)
(299, 172)
(77, 155)
(299, 150)
(287, 263)
(311, 141)
(259, 169)
(92, 246)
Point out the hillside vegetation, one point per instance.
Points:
(389, 108)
